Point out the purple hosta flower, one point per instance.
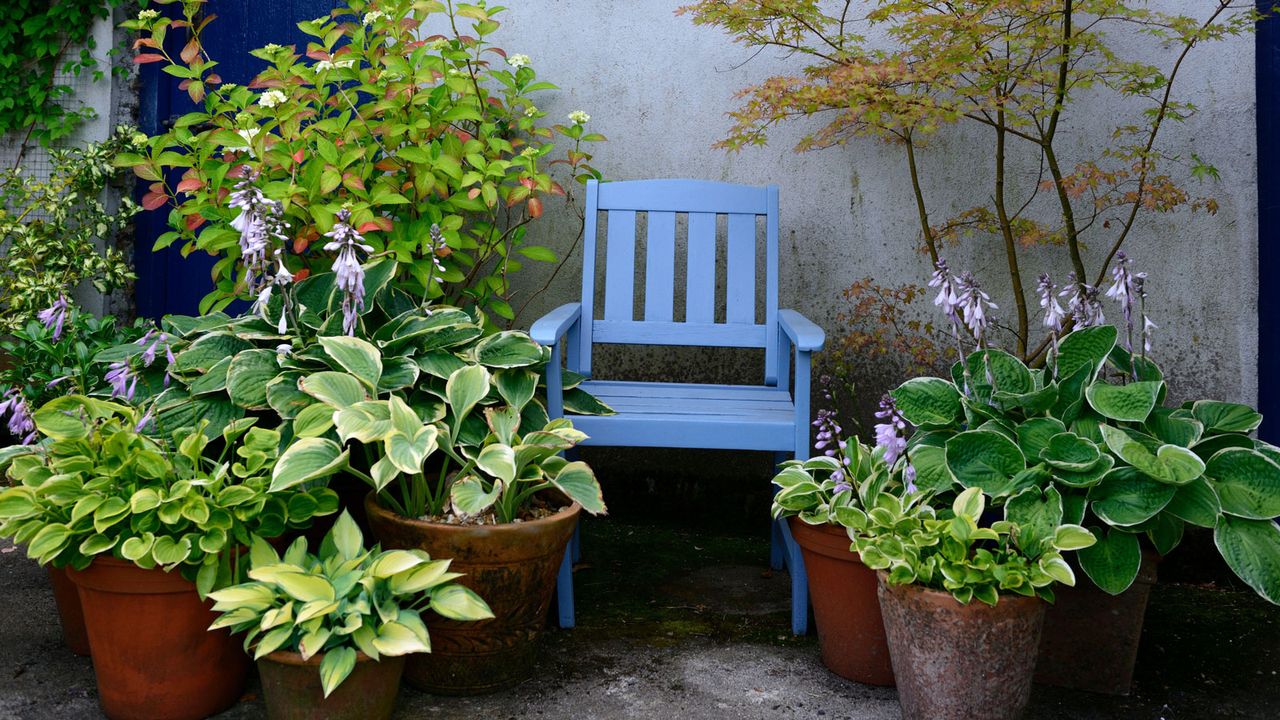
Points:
(122, 379)
(284, 350)
(281, 279)
(947, 298)
(1147, 327)
(828, 439)
(153, 342)
(260, 223)
(147, 419)
(437, 244)
(891, 434)
(974, 306)
(350, 274)
(909, 478)
(1082, 303)
(20, 425)
(1053, 312)
(1126, 289)
(55, 315)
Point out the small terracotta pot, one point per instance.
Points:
(292, 691)
(512, 566)
(152, 654)
(845, 606)
(1091, 638)
(960, 661)
(67, 598)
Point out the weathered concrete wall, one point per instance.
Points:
(658, 87)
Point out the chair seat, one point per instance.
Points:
(687, 415)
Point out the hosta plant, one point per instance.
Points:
(342, 600)
(96, 485)
(1091, 428)
(373, 137)
(821, 490)
(952, 551)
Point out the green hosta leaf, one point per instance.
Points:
(1034, 434)
(1247, 483)
(1031, 403)
(408, 453)
(1072, 537)
(305, 460)
(984, 459)
(1126, 403)
(284, 396)
(396, 639)
(213, 380)
(51, 540)
(932, 473)
(335, 667)
(248, 375)
(358, 357)
(367, 422)
(578, 482)
(1197, 503)
(498, 461)
(1173, 430)
(347, 538)
(137, 547)
(1210, 446)
(1088, 477)
(1165, 532)
(440, 363)
(313, 421)
(928, 401)
(466, 387)
(1113, 562)
(581, 402)
(1166, 463)
(398, 373)
(516, 386)
(1126, 497)
(1252, 550)
(207, 351)
(1222, 417)
(469, 496)
(168, 551)
(1088, 347)
(1068, 451)
(508, 349)
(1037, 514)
(1007, 372)
(337, 389)
(458, 602)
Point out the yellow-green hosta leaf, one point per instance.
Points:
(304, 587)
(1058, 569)
(578, 482)
(396, 639)
(334, 388)
(458, 602)
(96, 544)
(1072, 537)
(1126, 497)
(1113, 562)
(253, 595)
(928, 401)
(273, 641)
(314, 421)
(392, 562)
(498, 461)
(335, 667)
(307, 459)
(356, 356)
(423, 577)
(468, 495)
(367, 422)
(50, 541)
(466, 387)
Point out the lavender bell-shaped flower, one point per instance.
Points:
(1053, 312)
(891, 434)
(974, 306)
(259, 223)
(1082, 303)
(122, 379)
(281, 279)
(346, 241)
(55, 315)
(1122, 290)
(20, 424)
(947, 298)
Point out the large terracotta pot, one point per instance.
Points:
(1091, 637)
(845, 606)
(292, 691)
(152, 654)
(67, 599)
(955, 661)
(512, 566)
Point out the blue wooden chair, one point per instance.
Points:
(767, 417)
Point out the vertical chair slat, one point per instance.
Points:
(620, 266)
(771, 288)
(659, 269)
(588, 277)
(740, 291)
(700, 284)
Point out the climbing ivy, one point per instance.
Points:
(39, 38)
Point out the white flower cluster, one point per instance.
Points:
(272, 98)
(578, 117)
(148, 15)
(517, 61)
(373, 16)
(326, 65)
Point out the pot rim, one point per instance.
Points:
(155, 581)
(916, 588)
(294, 658)
(371, 504)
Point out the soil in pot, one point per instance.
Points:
(152, 654)
(1091, 638)
(960, 661)
(291, 688)
(846, 608)
(67, 598)
(512, 566)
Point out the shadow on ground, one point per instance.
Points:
(681, 624)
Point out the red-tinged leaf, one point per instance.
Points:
(473, 193)
(185, 84)
(535, 207)
(156, 187)
(318, 53)
(467, 39)
(494, 102)
(387, 165)
(556, 189)
(300, 245)
(462, 135)
(498, 50)
(146, 172)
(152, 200)
(190, 51)
(352, 183)
(527, 182)
(301, 275)
(207, 19)
(147, 58)
(145, 42)
(213, 79)
(194, 220)
(298, 156)
(237, 171)
(383, 223)
(196, 91)
(190, 184)
(367, 227)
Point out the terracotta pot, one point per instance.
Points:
(67, 598)
(152, 654)
(1091, 638)
(958, 661)
(845, 606)
(512, 566)
(292, 691)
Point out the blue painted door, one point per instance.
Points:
(168, 282)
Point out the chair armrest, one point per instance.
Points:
(549, 328)
(804, 334)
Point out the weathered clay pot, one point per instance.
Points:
(960, 661)
(512, 566)
(845, 606)
(291, 688)
(152, 654)
(67, 599)
(1091, 638)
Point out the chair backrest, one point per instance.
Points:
(701, 203)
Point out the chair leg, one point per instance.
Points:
(799, 581)
(576, 542)
(777, 548)
(564, 590)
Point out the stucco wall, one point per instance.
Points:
(658, 87)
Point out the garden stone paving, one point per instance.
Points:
(679, 624)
